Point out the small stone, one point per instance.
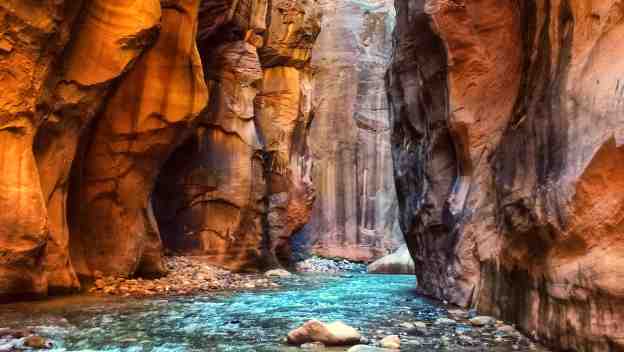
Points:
(445, 321)
(313, 346)
(37, 342)
(418, 328)
(364, 348)
(482, 321)
(281, 273)
(458, 314)
(391, 342)
(466, 340)
(5, 46)
(507, 329)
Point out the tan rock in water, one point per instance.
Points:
(334, 334)
(399, 262)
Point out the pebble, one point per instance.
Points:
(313, 346)
(445, 321)
(458, 314)
(391, 342)
(418, 328)
(508, 330)
(482, 321)
(277, 273)
(37, 342)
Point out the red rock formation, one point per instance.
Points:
(507, 151)
(148, 115)
(284, 115)
(210, 197)
(222, 212)
(46, 101)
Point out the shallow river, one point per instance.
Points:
(251, 321)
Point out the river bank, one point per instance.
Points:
(187, 276)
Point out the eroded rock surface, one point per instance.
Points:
(507, 148)
(105, 100)
(356, 212)
(284, 114)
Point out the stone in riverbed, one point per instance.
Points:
(37, 342)
(334, 334)
(417, 328)
(391, 342)
(278, 273)
(312, 346)
(482, 321)
(458, 314)
(445, 321)
(399, 262)
(364, 348)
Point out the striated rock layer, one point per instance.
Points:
(356, 212)
(507, 142)
(124, 122)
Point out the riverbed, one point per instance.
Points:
(257, 320)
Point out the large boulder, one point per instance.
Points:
(399, 262)
(334, 334)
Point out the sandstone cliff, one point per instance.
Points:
(507, 134)
(356, 212)
(124, 122)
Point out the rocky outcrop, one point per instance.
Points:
(106, 101)
(506, 142)
(284, 113)
(210, 195)
(152, 109)
(55, 79)
(355, 215)
(244, 174)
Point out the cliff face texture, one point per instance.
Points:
(124, 122)
(355, 215)
(507, 142)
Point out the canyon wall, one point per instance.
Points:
(126, 122)
(507, 143)
(356, 212)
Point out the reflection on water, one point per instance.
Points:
(249, 321)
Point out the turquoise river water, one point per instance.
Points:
(251, 321)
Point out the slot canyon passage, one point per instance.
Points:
(237, 175)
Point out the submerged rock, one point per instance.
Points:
(364, 348)
(391, 342)
(399, 262)
(458, 314)
(482, 321)
(334, 334)
(277, 273)
(37, 342)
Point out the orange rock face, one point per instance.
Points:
(100, 98)
(507, 124)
